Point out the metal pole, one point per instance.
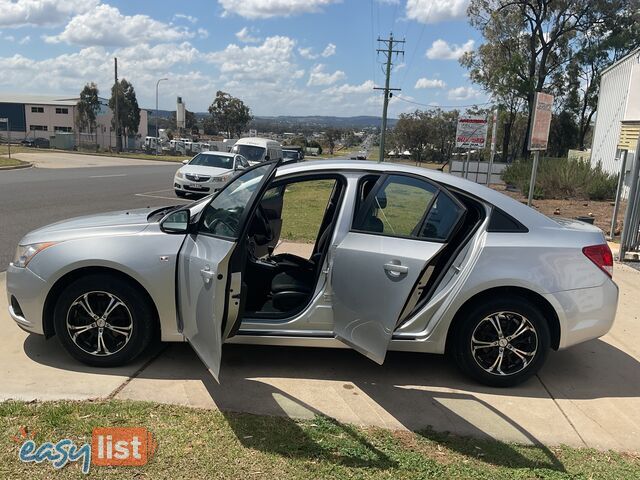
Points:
(385, 105)
(157, 135)
(493, 146)
(631, 203)
(9, 138)
(616, 207)
(534, 171)
(466, 163)
(116, 109)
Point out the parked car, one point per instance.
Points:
(405, 258)
(291, 155)
(207, 172)
(36, 142)
(256, 149)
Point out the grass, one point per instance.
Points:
(10, 162)
(304, 206)
(195, 443)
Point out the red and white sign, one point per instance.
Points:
(471, 132)
(539, 133)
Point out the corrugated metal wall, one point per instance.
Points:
(612, 104)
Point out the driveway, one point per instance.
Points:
(585, 396)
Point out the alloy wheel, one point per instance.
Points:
(504, 343)
(99, 323)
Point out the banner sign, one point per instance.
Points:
(471, 132)
(539, 133)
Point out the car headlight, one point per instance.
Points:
(222, 178)
(179, 174)
(24, 253)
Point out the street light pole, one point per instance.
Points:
(157, 136)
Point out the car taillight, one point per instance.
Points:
(600, 255)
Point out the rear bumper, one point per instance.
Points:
(29, 292)
(585, 313)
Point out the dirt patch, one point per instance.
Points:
(601, 211)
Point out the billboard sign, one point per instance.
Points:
(471, 132)
(539, 133)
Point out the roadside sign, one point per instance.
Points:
(539, 133)
(471, 132)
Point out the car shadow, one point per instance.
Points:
(420, 392)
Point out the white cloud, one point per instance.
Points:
(245, 36)
(41, 12)
(24, 40)
(347, 89)
(318, 76)
(399, 66)
(441, 50)
(463, 93)
(430, 83)
(106, 26)
(329, 50)
(258, 9)
(203, 33)
(307, 53)
(433, 11)
(188, 18)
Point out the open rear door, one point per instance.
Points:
(209, 288)
(380, 262)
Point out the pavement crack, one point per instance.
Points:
(562, 411)
(137, 373)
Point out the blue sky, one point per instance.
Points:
(282, 57)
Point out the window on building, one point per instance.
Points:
(38, 128)
(62, 129)
(61, 110)
(37, 109)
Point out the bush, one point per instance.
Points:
(561, 178)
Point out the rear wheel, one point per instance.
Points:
(103, 321)
(502, 343)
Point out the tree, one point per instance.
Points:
(529, 44)
(411, 133)
(563, 134)
(330, 136)
(128, 110)
(88, 107)
(228, 114)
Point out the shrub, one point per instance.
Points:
(561, 178)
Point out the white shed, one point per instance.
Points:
(619, 101)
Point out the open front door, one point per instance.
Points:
(401, 226)
(209, 287)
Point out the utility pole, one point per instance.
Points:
(389, 51)
(115, 60)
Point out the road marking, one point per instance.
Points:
(113, 175)
(154, 194)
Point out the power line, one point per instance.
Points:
(441, 106)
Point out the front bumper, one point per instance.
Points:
(585, 313)
(29, 292)
(205, 188)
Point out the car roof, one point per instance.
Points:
(525, 214)
(255, 141)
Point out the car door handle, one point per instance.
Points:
(207, 274)
(396, 268)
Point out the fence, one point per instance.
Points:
(478, 171)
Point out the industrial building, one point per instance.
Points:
(618, 115)
(41, 116)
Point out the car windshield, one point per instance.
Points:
(209, 160)
(250, 152)
(290, 154)
(224, 214)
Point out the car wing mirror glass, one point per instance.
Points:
(176, 222)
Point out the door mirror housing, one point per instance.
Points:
(184, 162)
(238, 166)
(267, 158)
(176, 222)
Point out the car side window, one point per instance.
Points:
(408, 207)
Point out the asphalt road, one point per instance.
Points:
(34, 197)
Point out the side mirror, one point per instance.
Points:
(267, 158)
(184, 162)
(176, 222)
(239, 166)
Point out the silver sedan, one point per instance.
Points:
(404, 259)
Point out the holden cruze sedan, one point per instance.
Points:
(207, 172)
(405, 258)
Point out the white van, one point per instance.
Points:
(256, 149)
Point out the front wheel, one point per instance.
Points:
(103, 321)
(180, 193)
(502, 343)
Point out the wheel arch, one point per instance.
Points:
(535, 298)
(69, 277)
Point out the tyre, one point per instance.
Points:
(501, 343)
(180, 193)
(103, 321)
